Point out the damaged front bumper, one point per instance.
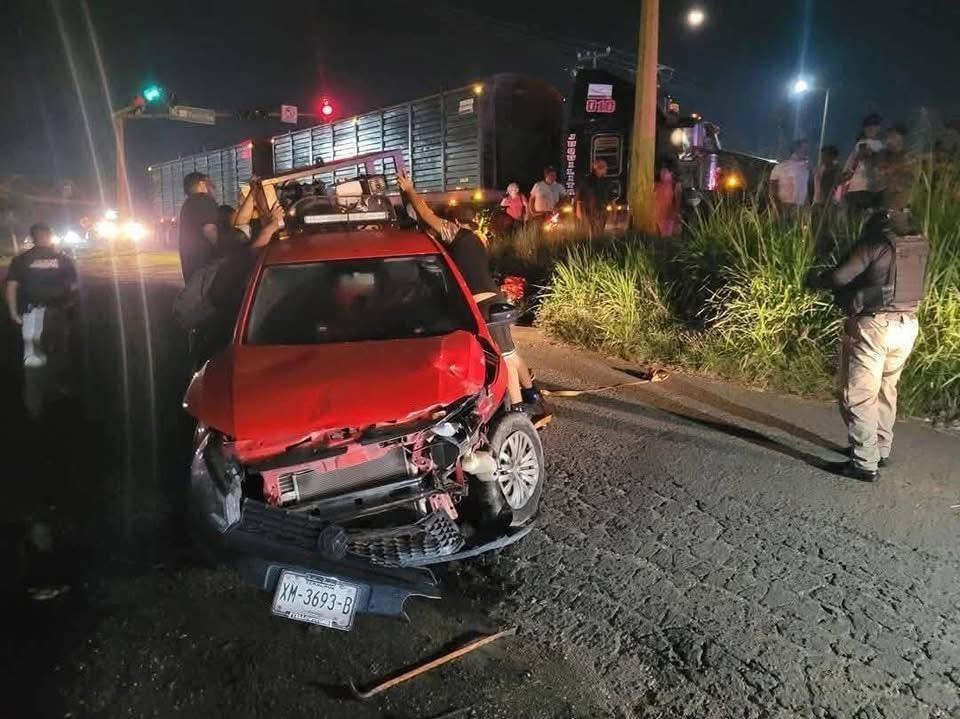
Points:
(262, 541)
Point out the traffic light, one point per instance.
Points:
(257, 114)
(152, 93)
(326, 109)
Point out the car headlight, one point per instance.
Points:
(445, 429)
(107, 229)
(134, 231)
(71, 237)
(215, 484)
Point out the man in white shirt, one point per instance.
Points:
(790, 179)
(546, 194)
(865, 189)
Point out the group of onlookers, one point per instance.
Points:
(591, 199)
(876, 165)
(589, 202)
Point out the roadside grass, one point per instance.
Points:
(729, 299)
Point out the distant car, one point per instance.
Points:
(357, 429)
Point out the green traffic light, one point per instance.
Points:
(152, 93)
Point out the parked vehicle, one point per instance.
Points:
(357, 430)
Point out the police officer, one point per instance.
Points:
(41, 288)
(880, 285)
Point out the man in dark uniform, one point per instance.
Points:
(469, 254)
(880, 285)
(41, 288)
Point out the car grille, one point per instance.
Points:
(307, 484)
(435, 536)
(279, 525)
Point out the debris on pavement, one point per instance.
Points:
(432, 664)
(653, 377)
(43, 594)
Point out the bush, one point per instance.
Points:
(730, 299)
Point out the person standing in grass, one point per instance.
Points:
(668, 199)
(790, 179)
(514, 206)
(880, 285)
(591, 201)
(827, 176)
(864, 184)
(546, 194)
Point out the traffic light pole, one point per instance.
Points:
(644, 136)
(123, 182)
(134, 112)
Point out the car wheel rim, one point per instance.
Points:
(518, 469)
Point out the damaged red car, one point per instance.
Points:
(356, 431)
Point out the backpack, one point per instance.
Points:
(194, 307)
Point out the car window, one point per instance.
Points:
(356, 300)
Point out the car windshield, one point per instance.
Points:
(357, 300)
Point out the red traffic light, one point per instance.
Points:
(326, 109)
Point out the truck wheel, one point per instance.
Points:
(516, 448)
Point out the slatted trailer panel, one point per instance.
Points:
(440, 137)
(229, 168)
(476, 137)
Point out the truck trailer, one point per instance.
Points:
(468, 143)
(463, 144)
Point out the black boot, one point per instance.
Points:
(884, 461)
(849, 469)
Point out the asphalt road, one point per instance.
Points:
(693, 559)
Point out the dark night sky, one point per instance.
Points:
(890, 56)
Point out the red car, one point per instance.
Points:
(356, 430)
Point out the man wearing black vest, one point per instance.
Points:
(880, 285)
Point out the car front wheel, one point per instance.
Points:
(516, 448)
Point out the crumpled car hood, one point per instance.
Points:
(269, 393)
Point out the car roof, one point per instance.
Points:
(346, 245)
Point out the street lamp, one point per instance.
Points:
(696, 17)
(800, 87)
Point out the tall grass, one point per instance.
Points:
(610, 298)
(731, 298)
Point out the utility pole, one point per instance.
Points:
(644, 137)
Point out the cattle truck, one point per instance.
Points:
(463, 144)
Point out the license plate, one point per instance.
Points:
(315, 599)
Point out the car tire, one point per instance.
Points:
(516, 448)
